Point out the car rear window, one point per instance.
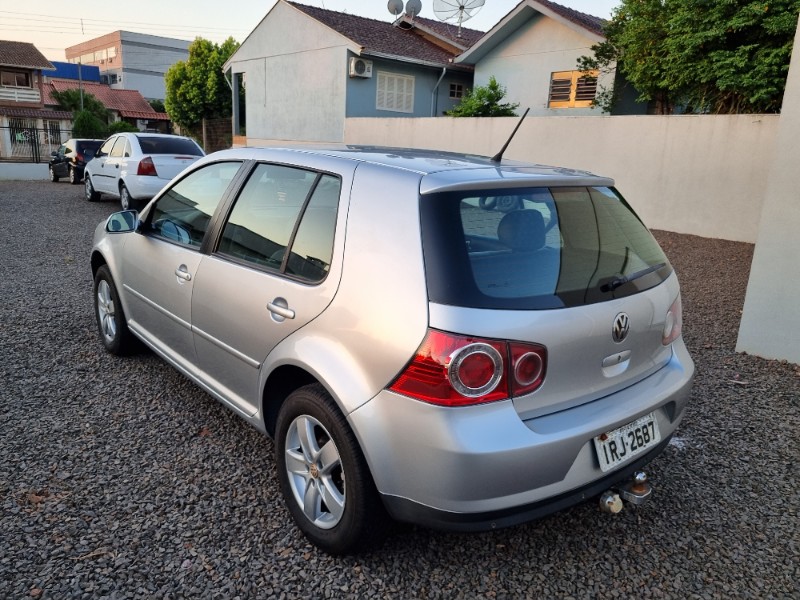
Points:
(168, 145)
(536, 248)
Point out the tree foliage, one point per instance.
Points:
(196, 88)
(71, 100)
(484, 101)
(157, 105)
(85, 124)
(719, 56)
(121, 126)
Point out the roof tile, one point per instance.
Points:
(380, 37)
(119, 100)
(589, 22)
(22, 54)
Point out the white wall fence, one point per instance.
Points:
(697, 174)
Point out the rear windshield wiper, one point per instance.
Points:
(618, 281)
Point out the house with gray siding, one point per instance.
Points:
(303, 70)
(534, 50)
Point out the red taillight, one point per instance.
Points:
(146, 167)
(78, 157)
(454, 370)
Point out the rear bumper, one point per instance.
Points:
(482, 466)
(144, 187)
(403, 509)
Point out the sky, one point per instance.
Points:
(53, 26)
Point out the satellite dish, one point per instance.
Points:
(395, 7)
(456, 11)
(413, 8)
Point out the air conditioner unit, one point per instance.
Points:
(360, 67)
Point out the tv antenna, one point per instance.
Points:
(456, 11)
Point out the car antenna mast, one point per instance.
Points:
(499, 156)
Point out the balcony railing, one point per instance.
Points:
(16, 94)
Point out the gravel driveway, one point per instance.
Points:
(120, 479)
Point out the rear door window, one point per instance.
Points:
(284, 220)
(536, 248)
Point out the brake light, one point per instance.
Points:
(147, 167)
(673, 324)
(454, 370)
(78, 157)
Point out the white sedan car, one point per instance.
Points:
(134, 167)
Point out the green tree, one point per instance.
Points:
(157, 105)
(727, 56)
(484, 101)
(120, 126)
(85, 124)
(196, 88)
(71, 100)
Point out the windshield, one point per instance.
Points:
(536, 248)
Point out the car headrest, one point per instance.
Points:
(522, 230)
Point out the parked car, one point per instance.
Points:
(135, 166)
(70, 159)
(460, 343)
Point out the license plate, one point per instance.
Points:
(622, 444)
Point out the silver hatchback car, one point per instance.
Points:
(440, 338)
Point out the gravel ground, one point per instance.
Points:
(120, 479)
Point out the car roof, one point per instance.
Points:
(439, 170)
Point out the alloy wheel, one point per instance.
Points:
(314, 469)
(106, 311)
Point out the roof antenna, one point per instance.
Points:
(499, 156)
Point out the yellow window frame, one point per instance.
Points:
(565, 90)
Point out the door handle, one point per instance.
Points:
(183, 273)
(280, 309)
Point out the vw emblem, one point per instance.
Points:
(622, 325)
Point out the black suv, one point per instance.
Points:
(71, 158)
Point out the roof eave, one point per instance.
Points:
(513, 21)
(416, 61)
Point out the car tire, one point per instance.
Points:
(318, 457)
(111, 322)
(90, 194)
(53, 176)
(73, 177)
(125, 199)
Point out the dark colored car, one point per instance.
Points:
(71, 158)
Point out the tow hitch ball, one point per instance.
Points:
(635, 491)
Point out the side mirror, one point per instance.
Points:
(123, 222)
(54, 154)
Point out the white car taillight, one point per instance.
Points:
(673, 324)
(455, 370)
(147, 167)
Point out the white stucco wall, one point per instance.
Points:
(697, 174)
(524, 62)
(295, 84)
(771, 318)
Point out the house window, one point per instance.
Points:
(395, 92)
(456, 91)
(572, 89)
(15, 79)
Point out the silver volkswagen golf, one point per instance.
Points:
(448, 340)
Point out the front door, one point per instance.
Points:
(163, 259)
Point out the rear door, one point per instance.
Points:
(268, 277)
(100, 174)
(110, 167)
